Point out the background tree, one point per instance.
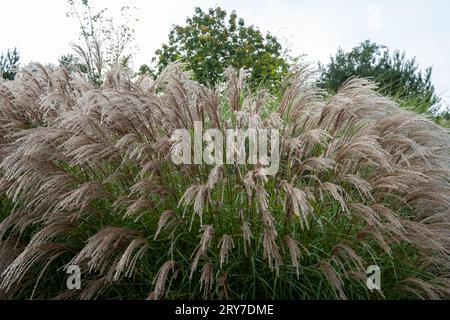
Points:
(397, 76)
(209, 42)
(104, 42)
(9, 63)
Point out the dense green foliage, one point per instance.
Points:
(210, 41)
(396, 75)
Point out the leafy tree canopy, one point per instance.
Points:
(397, 76)
(211, 41)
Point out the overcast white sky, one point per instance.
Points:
(42, 32)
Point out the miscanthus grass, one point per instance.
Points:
(86, 179)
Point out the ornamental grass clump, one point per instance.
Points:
(86, 179)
